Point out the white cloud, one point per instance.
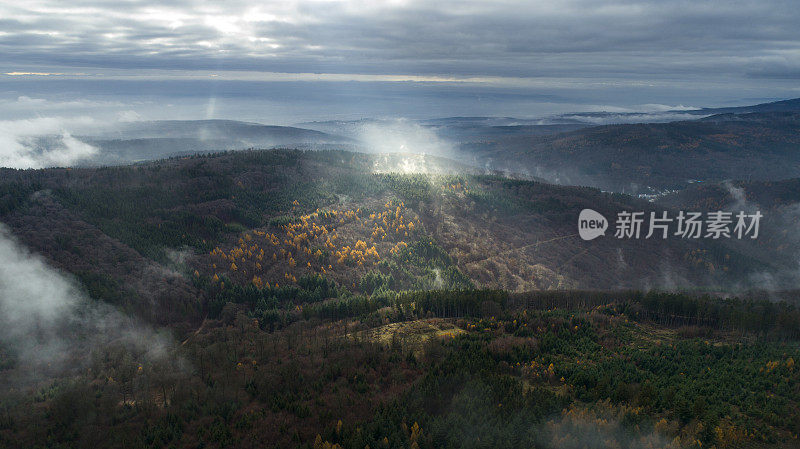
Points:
(128, 116)
(43, 142)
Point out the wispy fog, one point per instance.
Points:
(50, 325)
(403, 136)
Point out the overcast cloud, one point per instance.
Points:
(577, 52)
(463, 38)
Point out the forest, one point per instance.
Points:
(303, 299)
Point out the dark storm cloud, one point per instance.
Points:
(581, 38)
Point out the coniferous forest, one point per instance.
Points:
(294, 299)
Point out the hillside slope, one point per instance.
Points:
(642, 158)
(322, 299)
(277, 217)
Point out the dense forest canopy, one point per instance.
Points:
(305, 299)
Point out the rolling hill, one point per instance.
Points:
(148, 140)
(122, 228)
(322, 299)
(652, 157)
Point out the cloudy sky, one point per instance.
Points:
(287, 61)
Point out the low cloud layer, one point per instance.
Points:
(42, 142)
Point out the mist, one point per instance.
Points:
(51, 327)
(408, 147)
(403, 136)
(43, 142)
